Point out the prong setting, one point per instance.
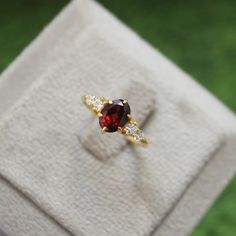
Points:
(103, 130)
(131, 120)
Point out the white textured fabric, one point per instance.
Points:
(19, 215)
(2, 233)
(199, 196)
(135, 192)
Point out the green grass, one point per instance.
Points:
(199, 36)
(20, 22)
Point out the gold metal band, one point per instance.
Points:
(130, 129)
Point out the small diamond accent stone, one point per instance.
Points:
(131, 129)
(90, 100)
(94, 102)
(138, 135)
(98, 104)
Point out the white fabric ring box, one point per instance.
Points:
(50, 183)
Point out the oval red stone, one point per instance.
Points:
(114, 115)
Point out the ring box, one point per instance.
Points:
(52, 185)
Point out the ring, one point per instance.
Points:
(114, 115)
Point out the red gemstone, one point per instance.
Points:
(114, 115)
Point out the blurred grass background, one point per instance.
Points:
(199, 36)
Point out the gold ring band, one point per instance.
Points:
(114, 115)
